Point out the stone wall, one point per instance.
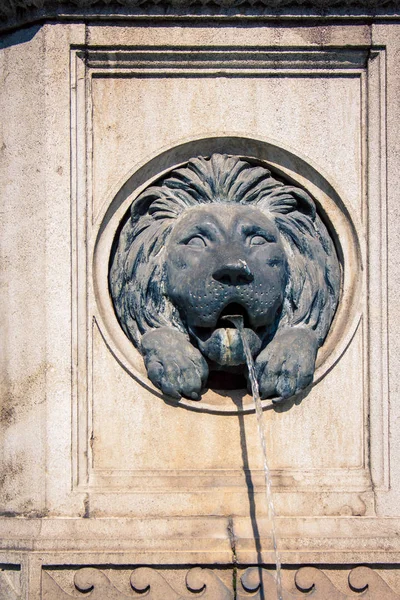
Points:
(106, 483)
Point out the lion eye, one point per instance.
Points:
(258, 240)
(196, 241)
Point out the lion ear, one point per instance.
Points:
(288, 199)
(143, 202)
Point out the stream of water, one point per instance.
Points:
(238, 322)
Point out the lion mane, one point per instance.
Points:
(137, 271)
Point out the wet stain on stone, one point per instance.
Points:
(9, 473)
(17, 397)
(86, 505)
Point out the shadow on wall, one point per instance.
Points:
(19, 37)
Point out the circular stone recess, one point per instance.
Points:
(286, 166)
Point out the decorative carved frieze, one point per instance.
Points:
(255, 583)
(201, 583)
(312, 582)
(85, 580)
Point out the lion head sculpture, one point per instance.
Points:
(216, 238)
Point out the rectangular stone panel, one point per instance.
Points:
(139, 102)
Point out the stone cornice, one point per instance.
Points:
(16, 13)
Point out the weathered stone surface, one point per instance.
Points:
(97, 469)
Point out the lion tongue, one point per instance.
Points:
(235, 319)
(225, 346)
(233, 314)
(230, 317)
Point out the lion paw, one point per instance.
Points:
(173, 364)
(286, 366)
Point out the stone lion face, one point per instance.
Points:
(218, 237)
(226, 260)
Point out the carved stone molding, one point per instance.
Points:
(255, 583)
(17, 13)
(10, 7)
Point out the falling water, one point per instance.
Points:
(238, 322)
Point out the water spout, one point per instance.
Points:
(237, 320)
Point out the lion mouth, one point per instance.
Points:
(233, 310)
(223, 344)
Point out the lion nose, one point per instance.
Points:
(234, 273)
